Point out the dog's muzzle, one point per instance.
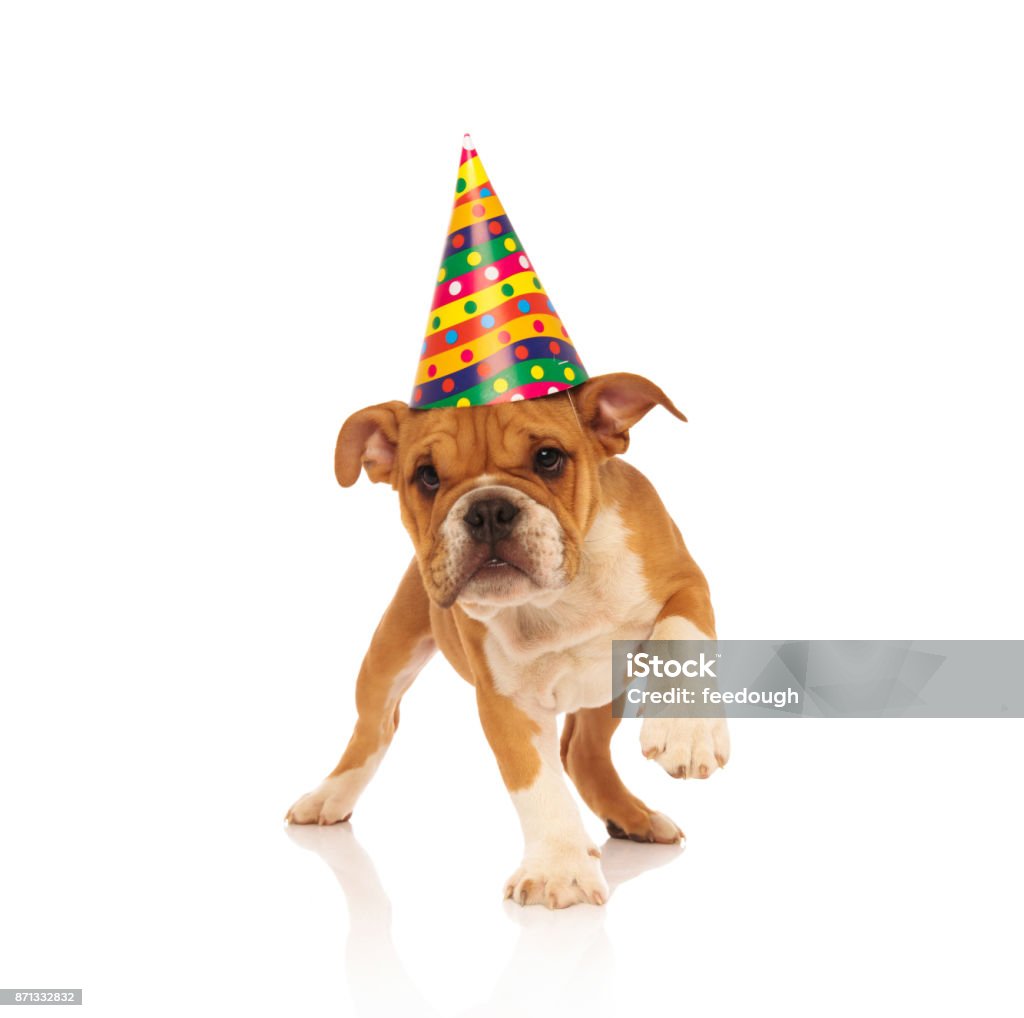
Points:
(496, 544)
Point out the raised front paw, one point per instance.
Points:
(330, 803)
(559, 877)
(686, 747)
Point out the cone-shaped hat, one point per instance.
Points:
(493, 335)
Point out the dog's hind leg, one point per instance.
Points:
(401, 646)
(586, 754)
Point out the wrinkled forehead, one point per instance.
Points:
(489, 437)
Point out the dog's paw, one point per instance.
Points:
(686, 747)
(330, 803)
(649, 827)
(558, 878)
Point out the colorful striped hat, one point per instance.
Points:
(493, 335)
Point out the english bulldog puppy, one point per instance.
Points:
(536, 546)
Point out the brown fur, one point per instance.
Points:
(405, 624)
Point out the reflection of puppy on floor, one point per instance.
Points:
(572, 962)
(536, 547)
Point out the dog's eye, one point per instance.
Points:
(427, 479)
(549, 461)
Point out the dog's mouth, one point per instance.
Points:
(496, 562)
(495, 574)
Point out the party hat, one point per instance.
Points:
(493, 335)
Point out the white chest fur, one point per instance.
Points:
(557, 657)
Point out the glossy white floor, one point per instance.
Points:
(834, 867)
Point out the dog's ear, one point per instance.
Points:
(609, 405)
(369, 439)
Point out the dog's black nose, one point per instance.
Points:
(490, 519)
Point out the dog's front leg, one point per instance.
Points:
(685, 747)
(560, 864)
(401, 646)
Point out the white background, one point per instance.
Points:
(219, 229)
